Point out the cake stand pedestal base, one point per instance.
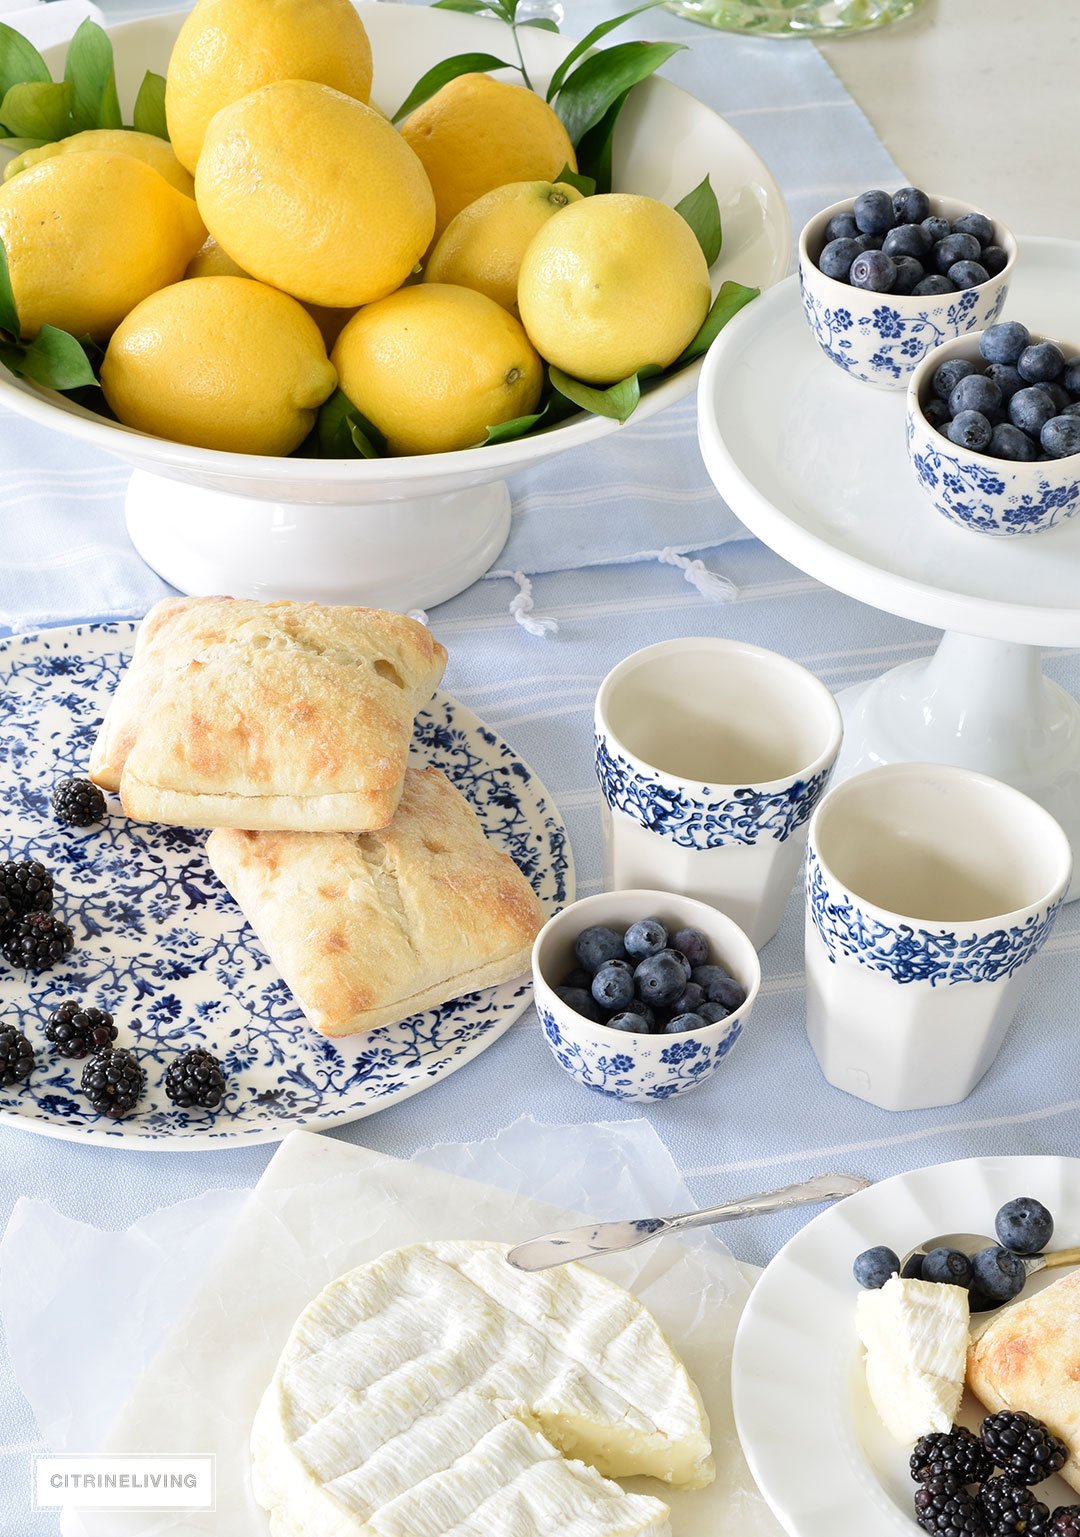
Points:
(980, 704)
(391, 554)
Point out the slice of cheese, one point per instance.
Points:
(916, 1339)
(438, 1391)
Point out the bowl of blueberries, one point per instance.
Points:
(993, 430)
(642, 994)
(886, 277)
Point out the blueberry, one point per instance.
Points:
(613, 987)
(1024, 1225)
(876, 1266)
(1071, 410)
(836, 258)
(712, 1013)
(869, 242)
(1071, 377)
(910, 205)
(937, 228)
(909, 272)
(912, 1270)
(1030, 409)
(995, 259)
(998, 1274)
(955, 248)
(578, 978)
(581, 1002)
(693, 996)
(1058, 394)
(597, 945)
(720, 986)
(948, 1266)
(841, 226)
(873, 270)
(679, 1023)
(968, 274)
(974, 392)
(1040, 362)
(633, 1024)
(907, 240)
(976, 224)
(1008, 442)
(970, 430)
(933, 285)
(937, 413)
(692, 944)
(648, 937)
(1060, 438)
(1004, 342)
(874, 213)
(661, 978)
(1006, 378)
(948, 375)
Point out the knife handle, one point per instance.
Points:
(810, 1192)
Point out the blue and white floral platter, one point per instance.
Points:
(162, 946)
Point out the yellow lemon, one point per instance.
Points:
(614, 283)
(483, 245)
(315, 193)
(227, 48)
(433, 366)
(87, 236)
(477, 134)
(210, 261)
(112, 141)
(222, 363)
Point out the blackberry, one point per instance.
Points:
(37, 941)
(1065, 1522)
(956, 1454)
(16, 1056)
(197, 1078)
(76, 1032)
(27, 885)
(113, 1082)
(1022, 1447)
(1011, 1510)
(78, 802)
(944, 1507)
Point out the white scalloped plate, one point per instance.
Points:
(812, 1438)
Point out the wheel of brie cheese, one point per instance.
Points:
(439, 1391)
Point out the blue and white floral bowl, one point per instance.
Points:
(990, 496)
(640, 1067)
(881, 338)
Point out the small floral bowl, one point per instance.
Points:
(642, 1067)
(881, 338)
(990, 496)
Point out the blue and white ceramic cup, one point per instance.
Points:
(711, 756)
(929, 892)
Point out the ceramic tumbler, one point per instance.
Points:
(711, 756)
(929, 892)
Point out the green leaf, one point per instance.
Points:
(588, 42)
(19, 61)
(544, 23)
(149, 115)
(89, 69)
(605, 76)
(55, 360)
(728, 302)
(596, 148)
(470, 7)
(449, 69)
(342, 432)
(17, 146)
(37, 111)
(584, 184)
(9, 315)
(554, 410)
(702, 212)
(618, 401)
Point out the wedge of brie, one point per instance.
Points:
(438, 1391)
(916, 1339)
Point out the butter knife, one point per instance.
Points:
(612, 1237)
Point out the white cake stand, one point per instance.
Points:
(815, 465)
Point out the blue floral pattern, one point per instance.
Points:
(996, 499)
(909, 954)
(615, 1070)
(159, 942)
(883, 346)
(707, 821)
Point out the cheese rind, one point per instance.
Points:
(916, 1339)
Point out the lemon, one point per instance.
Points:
(433, 366)
(119, 141)
(227, 48)
(483, 245)
(614, 283)
(315, 193)
(210, 261)
(476, 134)
(221, 362)
(87, 236)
